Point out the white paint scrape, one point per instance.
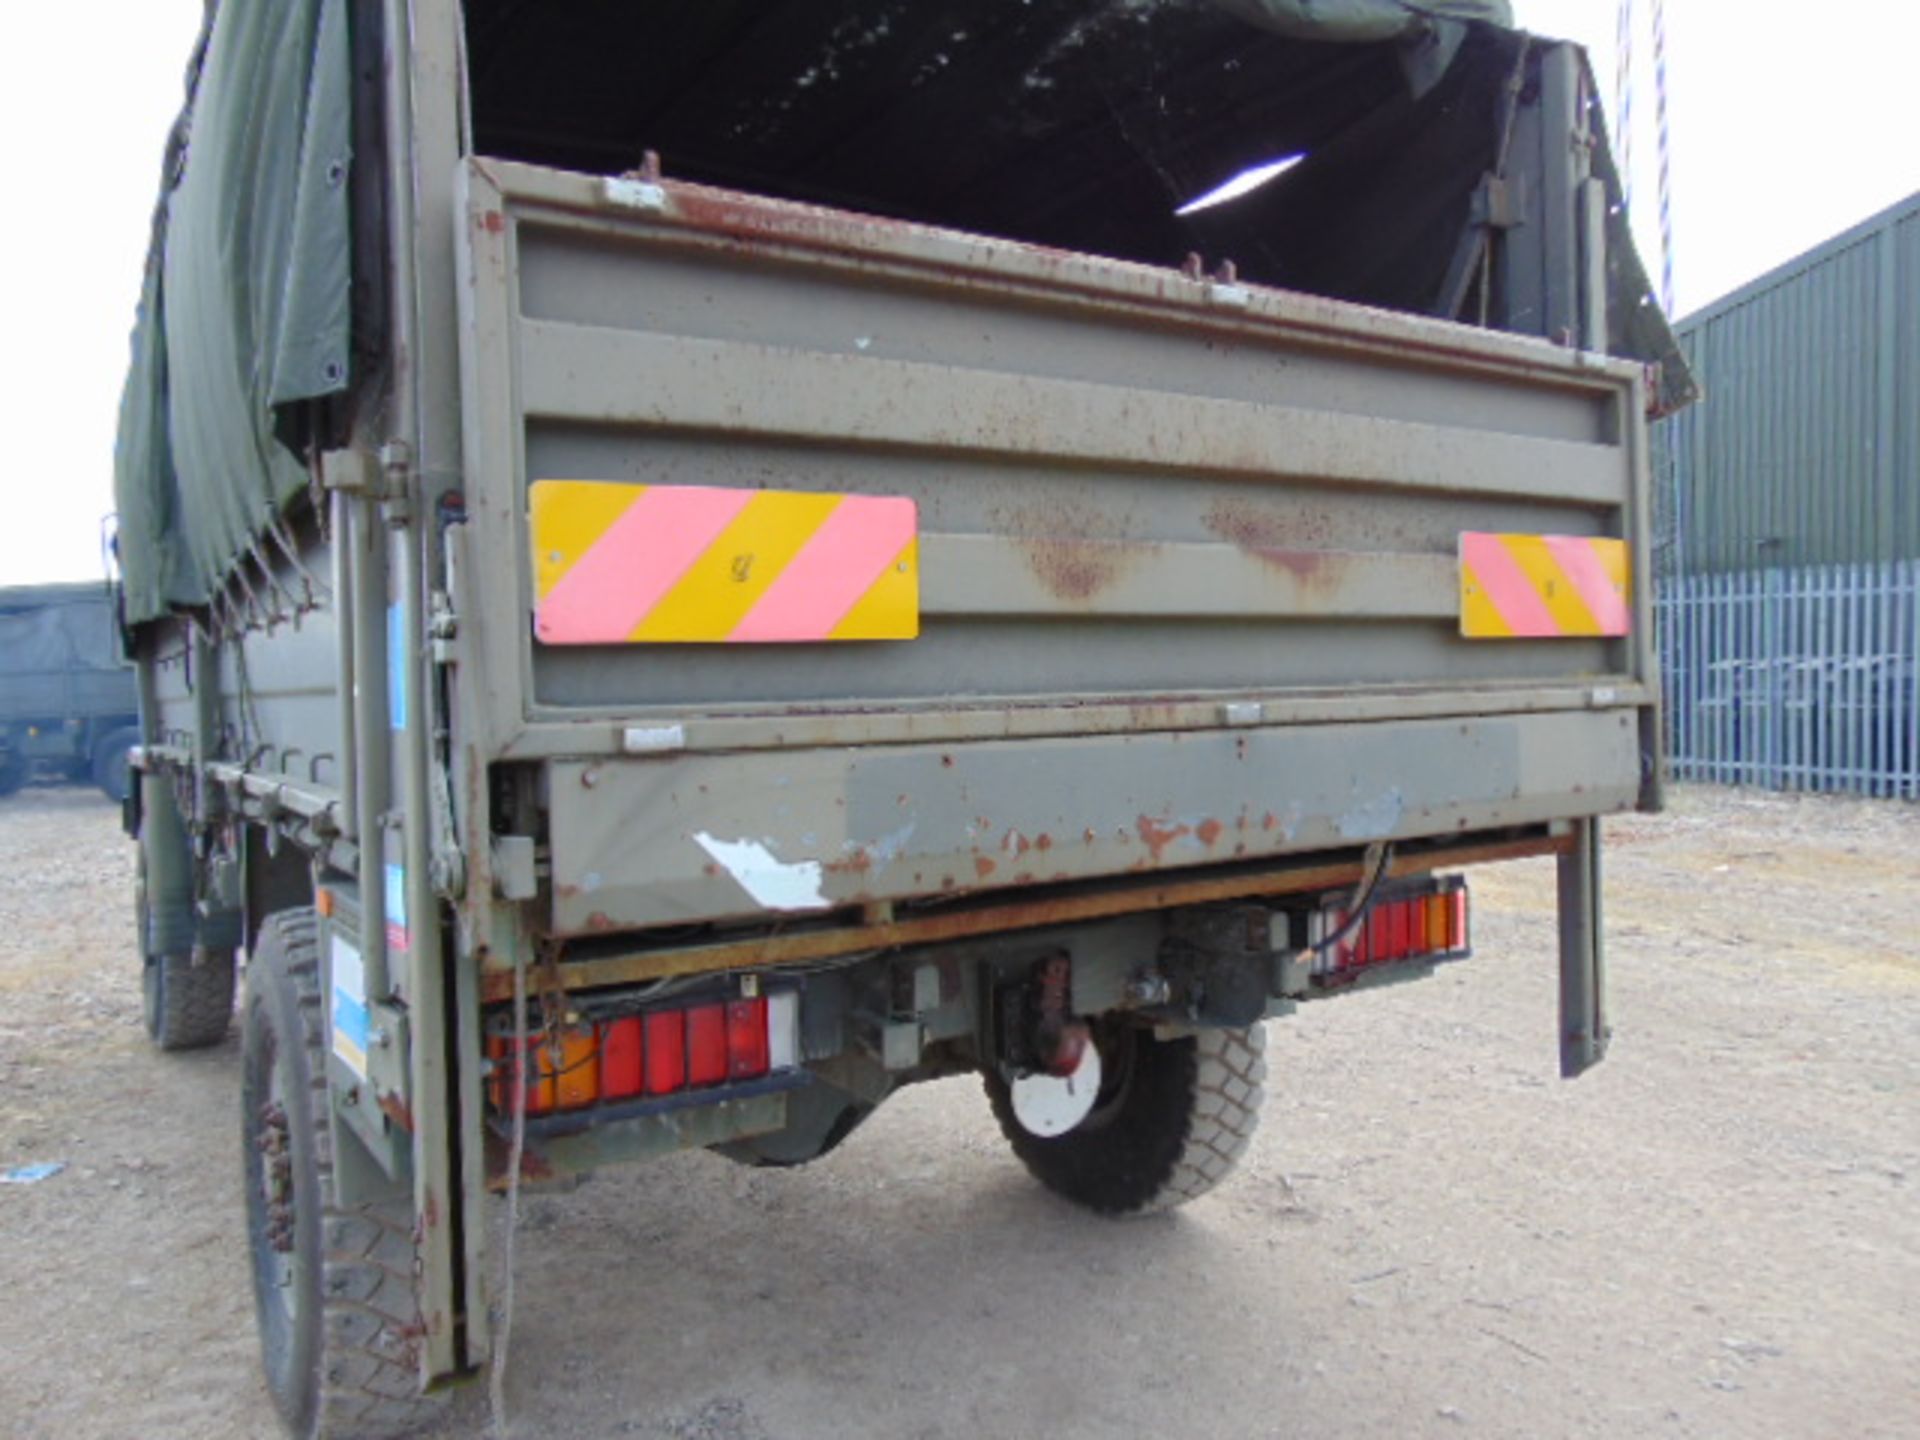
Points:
(772, 882)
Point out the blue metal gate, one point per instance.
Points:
(1801, 679)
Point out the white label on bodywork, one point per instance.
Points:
(653, 739)
(347, 996)
(783, 1029)
(774, 883)
(636, 194)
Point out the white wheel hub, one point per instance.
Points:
(1048, 1105)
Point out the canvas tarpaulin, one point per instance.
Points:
(1361, 19)
(60, 655)
(53, 639)
(1433, 31)
(245, 309)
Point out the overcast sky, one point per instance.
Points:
(1784, 131)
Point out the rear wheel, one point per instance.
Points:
(334, 1291)
(189, 1000)
(187, 997)
(1171, 1121)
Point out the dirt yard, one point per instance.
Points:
(1716, 1234)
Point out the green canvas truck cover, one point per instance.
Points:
(249, 277)
(1080, 124)
(60, 653)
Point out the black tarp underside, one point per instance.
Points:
(1062, 122)
(1078, 124)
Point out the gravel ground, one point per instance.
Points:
(1715, 1234)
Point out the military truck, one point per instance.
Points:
(695, 565)
(67, 707)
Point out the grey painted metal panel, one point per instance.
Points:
(1131, 484)
(1188, 551)
(278, 706)
(641, 843)
(1807, 449)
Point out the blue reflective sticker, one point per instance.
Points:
(397, 667)
(395, 888)
(352, 1027)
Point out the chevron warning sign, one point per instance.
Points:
(1532, 586)
(616, 564)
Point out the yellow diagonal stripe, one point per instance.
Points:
(568, 516)
(891, 609)
(723, 584)
(1569, 611)
(1478, 617)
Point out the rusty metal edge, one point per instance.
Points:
(775, 951)
(717, 216)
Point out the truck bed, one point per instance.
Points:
(1187, 557)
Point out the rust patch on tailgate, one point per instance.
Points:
(1254, 528)
(1072, 548)
(1159, 835)
(1278, 540)
(1074, 569)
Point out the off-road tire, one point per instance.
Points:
(334, 1289)
(112, 767)
(188, 1001)
(187, 1005)
(1173, 1118)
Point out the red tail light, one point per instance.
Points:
(666, 1052)
(706, 1045)
(658, 1053)
(1425, 922)
(747, 1052)
(621, 1077)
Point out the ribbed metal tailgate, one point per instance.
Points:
(1199, 539)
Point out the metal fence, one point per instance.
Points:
(1802, 679)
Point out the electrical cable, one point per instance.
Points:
(1379, 859)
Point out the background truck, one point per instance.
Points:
(67, 704)
(694, 565)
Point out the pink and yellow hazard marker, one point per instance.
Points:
(637, 564)
(1542, 586)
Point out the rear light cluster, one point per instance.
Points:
(1428, 924)
(647, 1056)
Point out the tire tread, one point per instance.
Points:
(1196, 1135)
(368, 1385)
(196, 1001)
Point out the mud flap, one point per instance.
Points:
(1583, 1020)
